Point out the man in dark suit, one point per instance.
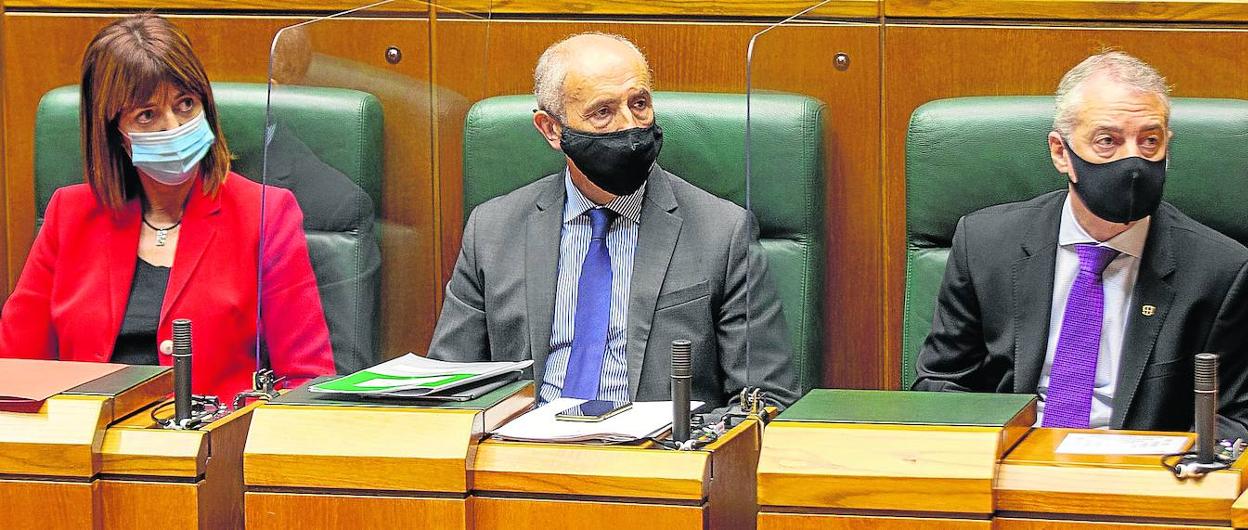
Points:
(592, 272)
(1096, 297)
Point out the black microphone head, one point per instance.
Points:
(682, 358)
(1206, 372)
(182, 336)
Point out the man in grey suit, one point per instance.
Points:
(618, 257)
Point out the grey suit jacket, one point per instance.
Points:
(990, 329)
(689, 282)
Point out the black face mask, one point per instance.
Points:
(1125, 190)
(618, 162)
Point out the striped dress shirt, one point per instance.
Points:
(573, 245)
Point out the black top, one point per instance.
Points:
(136, 343)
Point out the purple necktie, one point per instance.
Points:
(593, 312)
(1073, 375)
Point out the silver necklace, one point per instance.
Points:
(162, 234)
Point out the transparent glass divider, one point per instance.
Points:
(356, 116)
(785, 194)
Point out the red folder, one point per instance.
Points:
(26, 383)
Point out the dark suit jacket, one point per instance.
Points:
(990, 329)
(689, 282)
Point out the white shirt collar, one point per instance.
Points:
(1131, 242)
(628, 206)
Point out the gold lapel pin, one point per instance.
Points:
(1148, 310)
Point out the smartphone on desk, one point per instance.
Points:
(593, 410)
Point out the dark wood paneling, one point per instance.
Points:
(710, 58)
(923, 63)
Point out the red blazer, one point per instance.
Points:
(72, 294)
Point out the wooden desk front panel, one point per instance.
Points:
(1008, 523)
(164, 505)
(805, 521)
(41, 505)
(493, 513)
(276, 511)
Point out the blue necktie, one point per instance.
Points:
(593, 312)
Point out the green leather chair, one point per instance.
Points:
(964, 154)
(704, 143)
(343, 251)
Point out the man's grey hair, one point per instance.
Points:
(1120, 67)
(552, 69)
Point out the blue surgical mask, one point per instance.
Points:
(171, 157)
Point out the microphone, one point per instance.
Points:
(181, 370)
(681, 367)
(1206, 407)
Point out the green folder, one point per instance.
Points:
(909, 408)
(301, 396)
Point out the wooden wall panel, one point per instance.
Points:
(950, 61)
(4, 201)
(407, 7)
(702, 8)
(351, 53)
(1128, 10)
(684, 8)
(710, 58)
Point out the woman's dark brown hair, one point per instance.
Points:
(121, 69)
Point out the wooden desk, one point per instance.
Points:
(555, 486)
(335, 464)
(156, 478)
(1239, 512)
(49, 461)
(846, 459)
(1037, 488)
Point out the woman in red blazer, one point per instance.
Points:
(163, 230)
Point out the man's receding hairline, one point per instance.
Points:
(550, 74)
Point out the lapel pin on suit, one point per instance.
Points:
(1148, 310)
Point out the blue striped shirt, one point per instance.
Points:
(573, 245)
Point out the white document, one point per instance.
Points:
(642, 420)
(1078, 443)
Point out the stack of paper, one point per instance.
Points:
(1078, 443)
(413, 376)
(643, 420)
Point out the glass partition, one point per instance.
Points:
(784, 176)
(356, 112)
(681, 243)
